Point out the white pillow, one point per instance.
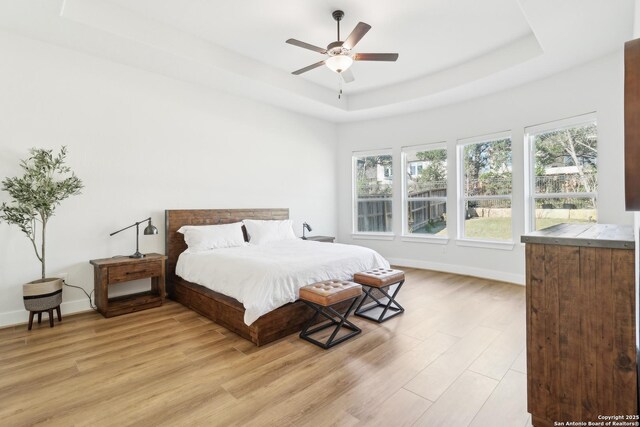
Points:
(204, 237)
(261, 232)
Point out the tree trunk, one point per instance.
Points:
(571, 150)
(44, 229)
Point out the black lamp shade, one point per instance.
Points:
(150, 229)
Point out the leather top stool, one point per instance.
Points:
(321, 297)
(375, 282)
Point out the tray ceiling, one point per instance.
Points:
(449, 49)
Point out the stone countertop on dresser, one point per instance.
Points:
(612, 236)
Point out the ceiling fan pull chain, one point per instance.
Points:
(339, 87)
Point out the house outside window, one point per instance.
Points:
(373, 191)
(425, 190)
(485, 188)
(415, 167)
(562, 179)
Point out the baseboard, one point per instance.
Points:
(518, 279)
(18, 317)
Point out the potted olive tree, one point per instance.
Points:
(46, 182)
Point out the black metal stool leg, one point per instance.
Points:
(366, 293)
(338, 324)
(312, 320)
(392, 304)
(319, 311)
(343, 323)
(392, 300)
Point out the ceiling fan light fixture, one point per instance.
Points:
(339, 63)
(340, 54)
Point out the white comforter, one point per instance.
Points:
(265, 277)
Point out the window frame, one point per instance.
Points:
(530, 161)
(461, 199)
(406, 235)
(382, 235)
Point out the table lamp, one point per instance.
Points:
(306, 227)
(149, 230)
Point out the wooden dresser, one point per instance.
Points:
(632, 124)
(581, 349)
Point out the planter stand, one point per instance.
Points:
(39, 313)
(41, 296)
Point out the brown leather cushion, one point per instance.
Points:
(379, 277)
(330, 292)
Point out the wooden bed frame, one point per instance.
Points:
(224, 310)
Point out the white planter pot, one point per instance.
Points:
(42, 294)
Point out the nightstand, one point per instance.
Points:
(329, 239)
(109, 271)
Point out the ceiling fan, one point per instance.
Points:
(340, 53)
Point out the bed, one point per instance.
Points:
(273, 274)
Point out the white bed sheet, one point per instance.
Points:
(265, 277)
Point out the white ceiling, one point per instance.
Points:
(450, 50)
(429, 35)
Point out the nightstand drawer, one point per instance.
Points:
(125, 273)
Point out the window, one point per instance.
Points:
(415, 167)
(563, 172)
(373, 191)
(425, 190)
(485, 188)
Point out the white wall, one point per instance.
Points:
(143, 143)
(596, 86)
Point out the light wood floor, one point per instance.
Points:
(454, 358)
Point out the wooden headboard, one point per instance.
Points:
(174, 219)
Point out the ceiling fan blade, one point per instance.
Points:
(347, 76)
(358, 32)
(306, 45)
(375, 57)
(308, 68)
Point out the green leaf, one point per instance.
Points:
(46, 182)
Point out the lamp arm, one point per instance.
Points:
(132, 225)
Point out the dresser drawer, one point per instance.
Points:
(124, 273)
